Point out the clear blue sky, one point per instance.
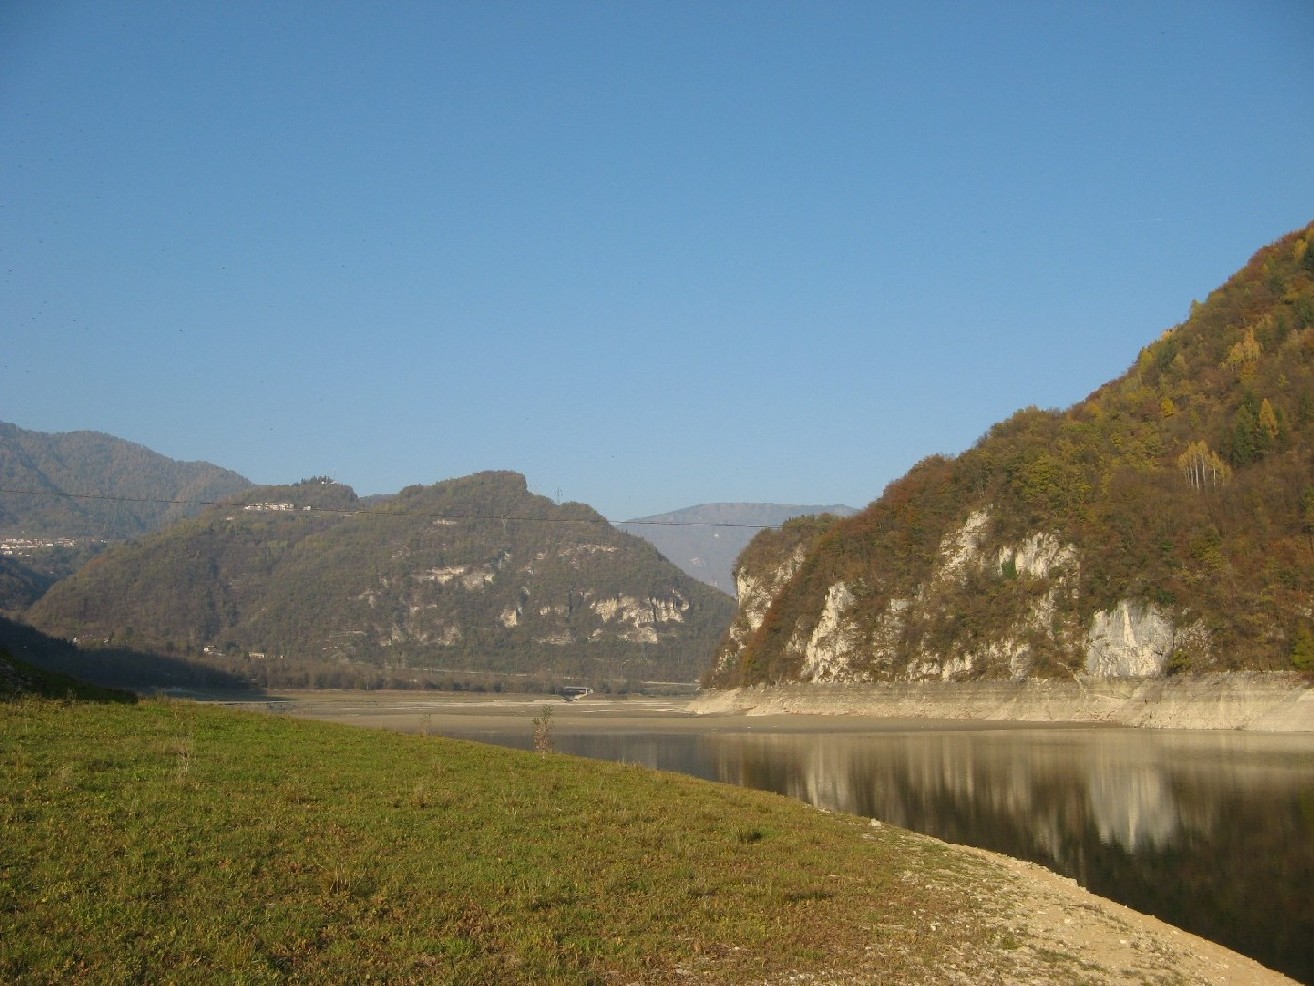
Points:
(648, 254)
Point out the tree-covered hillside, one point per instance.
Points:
(64, 496)
(84, 484)
(1174, 506)
(470, 574)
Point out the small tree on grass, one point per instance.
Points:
(543, 742)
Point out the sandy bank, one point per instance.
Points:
(1242, 700)
(1104, 942)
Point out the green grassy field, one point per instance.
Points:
(178, 842)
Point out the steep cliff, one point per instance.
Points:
(763, 570)
(1164, 524)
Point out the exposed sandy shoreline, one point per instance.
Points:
(443, 712)
(1221, 703)
(1108, 942)
(1245, 701)
(1260, 702)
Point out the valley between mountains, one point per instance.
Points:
(1161, 528)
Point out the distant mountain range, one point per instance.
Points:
(705, 540)
(105, 540)
(472, 574)
(65, 495)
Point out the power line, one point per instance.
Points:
(690, 523)
(110, 496)
(351, 513)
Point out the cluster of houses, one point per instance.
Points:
(25, 547)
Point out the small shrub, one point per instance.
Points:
(1179, 662)
(543, 741)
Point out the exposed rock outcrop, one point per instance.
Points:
(764, 569)
(1134, 640)
(471, 574)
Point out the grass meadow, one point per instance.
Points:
(170, 841)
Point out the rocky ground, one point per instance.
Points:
(1021, 925)
(1069, 935)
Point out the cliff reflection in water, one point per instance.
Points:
(1213, 832)
(1041, 785)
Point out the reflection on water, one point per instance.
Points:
(1213, 832)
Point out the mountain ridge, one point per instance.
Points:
(470, 574)
(96, 485)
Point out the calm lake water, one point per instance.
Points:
(1212, 832)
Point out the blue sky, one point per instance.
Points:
(648, 254)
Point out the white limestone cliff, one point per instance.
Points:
(754, 591)
(1133, 640)
(842, 642)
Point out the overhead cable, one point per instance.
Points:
(350, 513)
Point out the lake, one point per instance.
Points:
(1210, 831)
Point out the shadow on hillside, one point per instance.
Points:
(19, 679)
(114, 667)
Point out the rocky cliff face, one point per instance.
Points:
(845, 642)
(763, 571)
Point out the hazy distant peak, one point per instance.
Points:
(767, 514)
(704, 540)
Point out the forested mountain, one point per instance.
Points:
(64, 496)
(705, 540)
(1163, 524)
(470, 574)
(132, 489)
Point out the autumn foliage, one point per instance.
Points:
(1188, 482)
